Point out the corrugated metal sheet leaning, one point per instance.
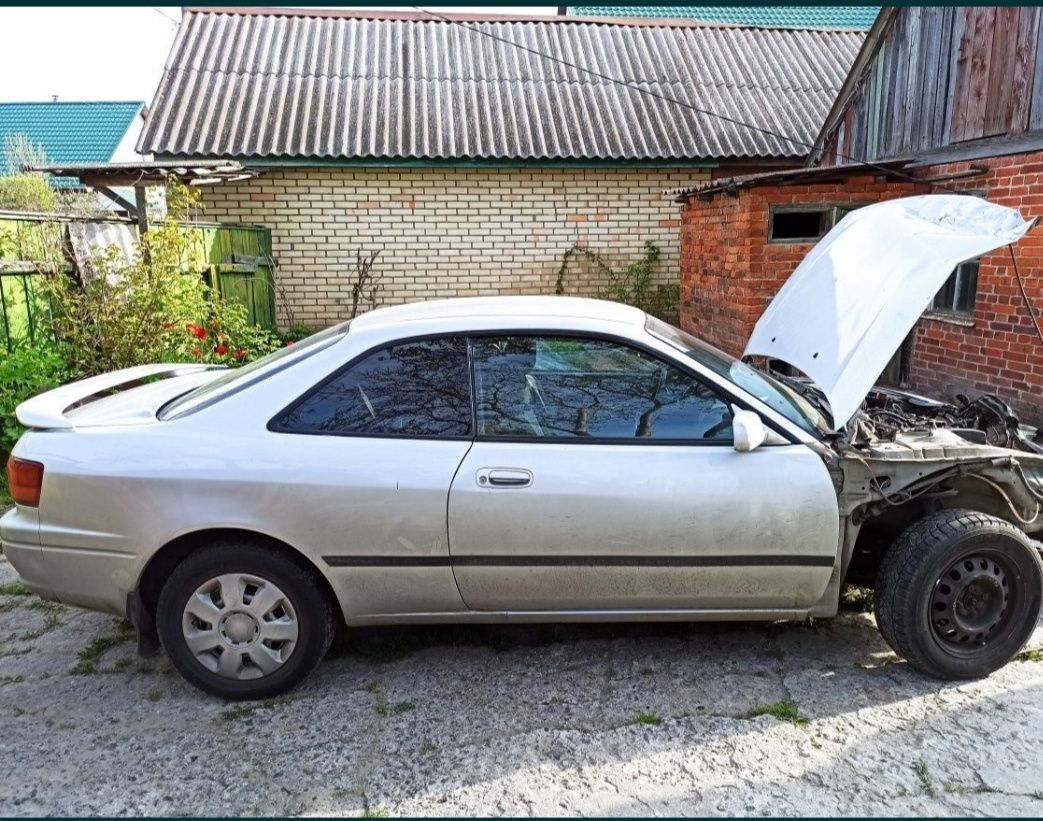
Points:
(317, 84)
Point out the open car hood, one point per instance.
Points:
(847, 307)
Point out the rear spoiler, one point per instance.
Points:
(47, 411)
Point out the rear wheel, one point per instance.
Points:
(242, 622)
(959, 594)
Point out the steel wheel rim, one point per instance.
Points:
(972, 602)
(240, 626)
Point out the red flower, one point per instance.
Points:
(239, 354)
(220, 350)
(289, 342)
(196, 331)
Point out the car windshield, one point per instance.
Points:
(770, 391)
(235, 379)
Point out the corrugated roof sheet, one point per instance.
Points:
(264, 83)
(69, 132)
(802, 17)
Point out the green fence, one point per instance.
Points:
(235, 260)
(22, 303)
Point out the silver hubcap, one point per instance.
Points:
(240, 626)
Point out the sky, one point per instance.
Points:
(108, 53)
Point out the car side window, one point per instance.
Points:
(562, 387)
(419, 389)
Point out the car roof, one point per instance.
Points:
(503, 307)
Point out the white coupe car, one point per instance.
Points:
(536, 459)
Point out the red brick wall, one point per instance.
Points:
(729, 271)
(997, 350)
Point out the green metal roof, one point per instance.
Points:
(799, 17)
(69, 132)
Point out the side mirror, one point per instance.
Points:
(748, 431)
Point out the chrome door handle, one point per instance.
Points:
(504, 477)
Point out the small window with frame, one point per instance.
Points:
(799, 224)
(958, 294)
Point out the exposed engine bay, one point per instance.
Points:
(985, 420)
(902, 447)
(903, 451)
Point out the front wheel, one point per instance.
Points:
(242, 622)
(959, 594)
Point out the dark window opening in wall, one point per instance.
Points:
(958, 293)
(798, 224)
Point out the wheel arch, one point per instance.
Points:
(170, 555)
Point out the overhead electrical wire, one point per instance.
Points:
(723, 117)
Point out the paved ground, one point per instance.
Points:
(574, 720)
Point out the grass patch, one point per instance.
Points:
(90, 655)
(52, 611)
(13, 589)
(5, 680)
(5, 492)
(924, 776)
(859, 599)
(1030, 655)
(241, 711)
(647, 671)
(154, 695)
(785, 710)
(427, 748)
(372, 687)
(646, 719)
(394, 709)
(375, 812)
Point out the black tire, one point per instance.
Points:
(303, 603)
(959, 593)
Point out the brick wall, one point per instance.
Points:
(729, 272)
(450, 232)
(997, 349)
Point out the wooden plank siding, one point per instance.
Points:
(942, 76)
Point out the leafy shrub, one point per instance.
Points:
(633, 285)
(152, 308)
(25, 372)
(26, 192)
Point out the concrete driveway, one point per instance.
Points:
(609, 720)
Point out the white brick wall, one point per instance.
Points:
(449, 232)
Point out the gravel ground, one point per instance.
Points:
(603, 720)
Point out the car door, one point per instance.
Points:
(603, 477)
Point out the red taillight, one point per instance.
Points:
(25, 479)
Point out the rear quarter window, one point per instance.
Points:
(414, 389)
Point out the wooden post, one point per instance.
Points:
(141, 209)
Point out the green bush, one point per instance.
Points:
(25, 372)
(632, 285)
(152, 308)
(26, 192)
